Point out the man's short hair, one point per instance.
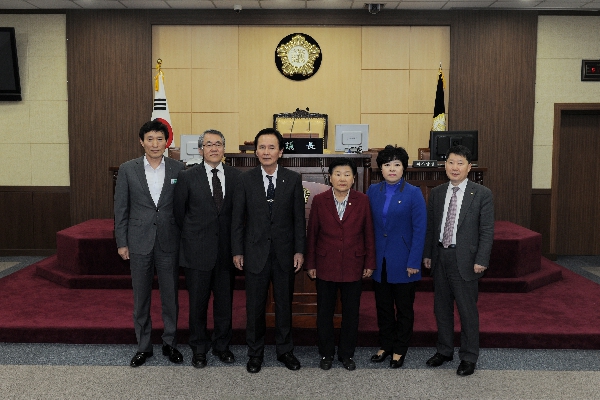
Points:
(391, 153)
(210, 131)
(460, 150)
(341, 162)
(154, 125)
(269, 131)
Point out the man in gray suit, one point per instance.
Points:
(203, 205)
(267, 240)
(147, 235)
(458, 243)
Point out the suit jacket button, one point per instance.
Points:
(385, 235)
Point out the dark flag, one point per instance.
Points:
(439, 109)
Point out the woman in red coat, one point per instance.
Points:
(340, 252)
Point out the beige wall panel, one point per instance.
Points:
(386, 129)
(429, 45)
(56, 155)
(47, 36)
(333, 90)
(16, 164)
(214, 90)
(542, 167)
(215, 47)
(14, 120)
(419, 126)
(568, 37)
(178, 89)
(384, 91)
(47, 78)
(226, 123)
(385, 47)
(181, 124)
(49, 122)
(173, 45)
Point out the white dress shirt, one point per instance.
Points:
(220, 175)
(266, 180)
(460, 194)
(155, 178)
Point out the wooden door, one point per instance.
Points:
(578, 188)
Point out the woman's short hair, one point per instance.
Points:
(342, 161)
(391, 153)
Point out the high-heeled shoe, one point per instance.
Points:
(397, 363)
(377, 358)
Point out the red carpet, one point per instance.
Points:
(560, 315)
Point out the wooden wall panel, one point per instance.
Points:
(493, 61)
(33, 215)
(110, 97)
(17, 222)
(492, 71)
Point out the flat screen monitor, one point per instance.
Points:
(189, 148)
(441, 141)
(10, 83)
(352, 138)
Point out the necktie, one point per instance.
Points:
(217, 190)
(450, 217)
(270, 193)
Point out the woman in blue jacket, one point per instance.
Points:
(400, 221)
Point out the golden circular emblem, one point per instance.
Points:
(298, 56)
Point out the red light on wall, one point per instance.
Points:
(590, 70)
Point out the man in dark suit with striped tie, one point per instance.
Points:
(458, 244)
(267, 240)
(202, 207)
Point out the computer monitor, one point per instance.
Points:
(352, 138)
(189, 148)
(441, 141)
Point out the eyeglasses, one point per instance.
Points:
(209, 145)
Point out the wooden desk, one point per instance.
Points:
(312, 168)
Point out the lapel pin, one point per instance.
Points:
(349, 204)
(399, 201)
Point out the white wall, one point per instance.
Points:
(34, 142)
(563, 41)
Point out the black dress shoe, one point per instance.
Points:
(254, 364)
(377, 358)
(290, 361)
(225, 356)
(348, 363)
(174, 354)
(140, 358)
(199, 360)
(326, 362)
(438, 359)
(397, 363)
(465, 368)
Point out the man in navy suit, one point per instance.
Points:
(267, 240)
(147, 235)
(458, 243)
(203, 203)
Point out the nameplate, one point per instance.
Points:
(303, 146)
(425, 164)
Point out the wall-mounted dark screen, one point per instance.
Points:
(10, 83)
